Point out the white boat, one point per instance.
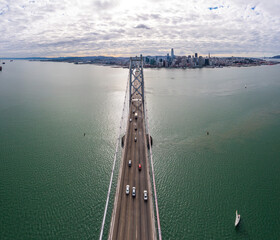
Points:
(237, 219)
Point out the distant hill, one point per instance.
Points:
(69, 58)
(26, 58)
(278, 56)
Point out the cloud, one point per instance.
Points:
(3, 9)
(106, 27)
(142, 26)
(105, 4)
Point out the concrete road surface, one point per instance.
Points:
(133, 218)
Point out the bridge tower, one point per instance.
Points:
(136, 80)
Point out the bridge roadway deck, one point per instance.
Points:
(133, 218)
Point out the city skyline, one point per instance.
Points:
(127, 28)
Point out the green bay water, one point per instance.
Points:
(54, 180)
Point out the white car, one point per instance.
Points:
(135, 139)
(133, 192)
(145, 195)
(129, 163)
(127, 189)
(130, 120)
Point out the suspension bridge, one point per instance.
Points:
(135, 215)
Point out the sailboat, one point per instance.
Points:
(237, 219)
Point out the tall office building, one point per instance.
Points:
(172, 53)
(195, 55)
(201, 61)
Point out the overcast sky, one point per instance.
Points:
(129, 27)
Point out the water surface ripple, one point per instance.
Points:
(54, 180)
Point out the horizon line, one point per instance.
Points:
(122, 56)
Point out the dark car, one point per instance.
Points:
(133, 192)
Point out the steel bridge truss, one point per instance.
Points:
(136, 79)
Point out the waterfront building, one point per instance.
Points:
(168, 57)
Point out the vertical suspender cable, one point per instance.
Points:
(153, 173)
(113, 168)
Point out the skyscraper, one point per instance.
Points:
(172, 53)
(201, 61)
(195, 55)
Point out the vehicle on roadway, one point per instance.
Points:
(135, 139)
(139, 166)
(135, 128)
(133, 192)
(136, 116)
(145, 195)
(130, 120)
(129, 163)
(127, 189)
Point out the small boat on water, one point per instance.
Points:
(237, 219)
